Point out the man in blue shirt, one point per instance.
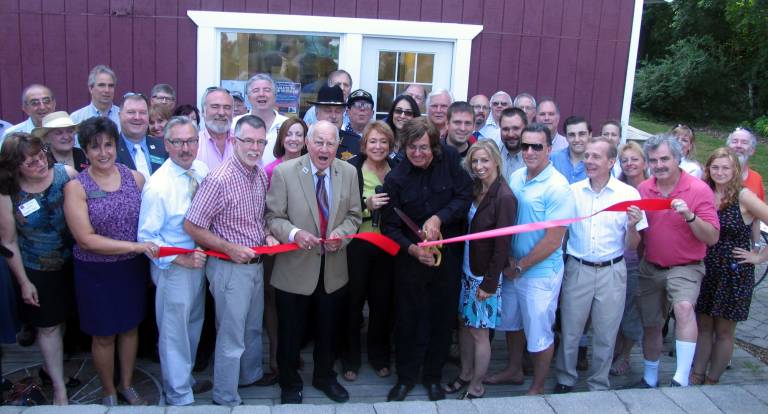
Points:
(37, 101)
(135, 149)
(531, 288)
(570, 161)
(101, 85)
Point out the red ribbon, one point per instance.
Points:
(382, 242)
(648, 204)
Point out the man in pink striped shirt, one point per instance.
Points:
(216, 139)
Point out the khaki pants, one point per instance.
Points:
(599, 293)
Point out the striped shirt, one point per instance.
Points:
(231, 203)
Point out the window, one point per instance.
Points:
(399, 69)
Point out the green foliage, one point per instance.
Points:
(761, 125)
(705, 59)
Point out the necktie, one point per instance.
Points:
(193, 184)
(322, 202)
(141, 161)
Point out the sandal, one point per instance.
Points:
(383, 372)
(695, 379)
(131, 396)
(710, 381)
(456, 385)
(620, 367)
(466, 395)
(350, 375)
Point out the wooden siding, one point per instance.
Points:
(572, 50)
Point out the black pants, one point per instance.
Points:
(292, 318)
(426, 301)
(370, 277)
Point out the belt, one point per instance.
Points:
(257, 259)
(599, 264)
(659, 267)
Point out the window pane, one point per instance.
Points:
(425, 68)
(387, 66)
(406, 67)
(384, 97)
(305, 60)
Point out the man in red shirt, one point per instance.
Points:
(743, 142)
(675, 242)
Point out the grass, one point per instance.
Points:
(706, 142)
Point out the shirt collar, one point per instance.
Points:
(683, 184)
(543, 175)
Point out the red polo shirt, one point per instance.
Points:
(668, 239)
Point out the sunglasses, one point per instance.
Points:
(536, 147)
(406, 112)
(129, 94)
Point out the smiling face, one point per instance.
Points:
(460, 128)
(134, 118)
(218, 111)
(419, 153)
(721, 170)
(577, 136)
(548, 115)
(438, 109)
(632, 163)
(249, 145)
(181, 144)
(511, 132)
(596, 162)
(322, 145)
(499, 103)
(536, 155)
(156, 125)
(741, 143)
(38, 102)
(376, 146)
(611, 132)
(261, 95)
(483, 166)
(101, 152)
(294, 141)
(402, 113)
(685, 139)
(61, 139)
(664, 165)
(481, 106)
(526, 104)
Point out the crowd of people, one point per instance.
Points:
(88, 199)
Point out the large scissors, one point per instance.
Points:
(421, 234)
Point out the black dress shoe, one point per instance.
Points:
(399, 392)
(562, 389)
(332, 390)
(435, 391)
(290, 397)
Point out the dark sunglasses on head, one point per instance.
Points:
(536, 147)
(129, 94)
(213, 88)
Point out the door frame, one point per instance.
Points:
(210, 24)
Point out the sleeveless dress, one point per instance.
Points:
(726, 291)
(46, 252)
(111, 289)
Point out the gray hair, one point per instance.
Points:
(252, 120)
(338, 72)
(258, 77)
(653, 143)
(30, 87)
(437, 92)
(312, 128)
(752, 137)
(163, 87)
(97, 70)
(516, 102)
(501, 93)
(180, 120)
(211, 90)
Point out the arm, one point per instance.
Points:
(702, 230)
(632, 238)
(456, 209)
(79, 223)
(8, 238)
(546, 246)
(204, 237)
(151, 218)
(506, 209)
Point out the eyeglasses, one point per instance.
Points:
(480, 107)
(536, 147)
(38, 102)
(249, 142)
(361, 105)
(41, 157)
(418, 148)
(179, 143)
(163, 98)
(500, 103)
(406, 112)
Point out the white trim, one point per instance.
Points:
(629, 83)
(350, 30)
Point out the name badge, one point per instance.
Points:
(154, 159)
(96, 194)
(29, 207)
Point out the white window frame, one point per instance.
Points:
(210, 25)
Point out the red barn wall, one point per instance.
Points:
(573, 50)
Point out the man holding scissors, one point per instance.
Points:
(429, 198)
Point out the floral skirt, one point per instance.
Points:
(476, 314)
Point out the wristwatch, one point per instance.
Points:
(518, 269)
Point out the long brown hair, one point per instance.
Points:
(279, 150)
(732, 187)
(17, 147)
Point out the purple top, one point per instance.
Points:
(112, 214)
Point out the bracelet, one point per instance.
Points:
(692, 219)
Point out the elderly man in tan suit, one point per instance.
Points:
(313, 200)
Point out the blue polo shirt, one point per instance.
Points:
(546, 197)
(562, 163)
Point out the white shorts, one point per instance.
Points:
(529, 304)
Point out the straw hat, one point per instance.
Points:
(54, 120)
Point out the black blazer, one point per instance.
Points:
(349, 145)
(157, 153)
(488, 257)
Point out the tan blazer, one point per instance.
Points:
(291, 203)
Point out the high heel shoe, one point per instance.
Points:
(131, 396)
